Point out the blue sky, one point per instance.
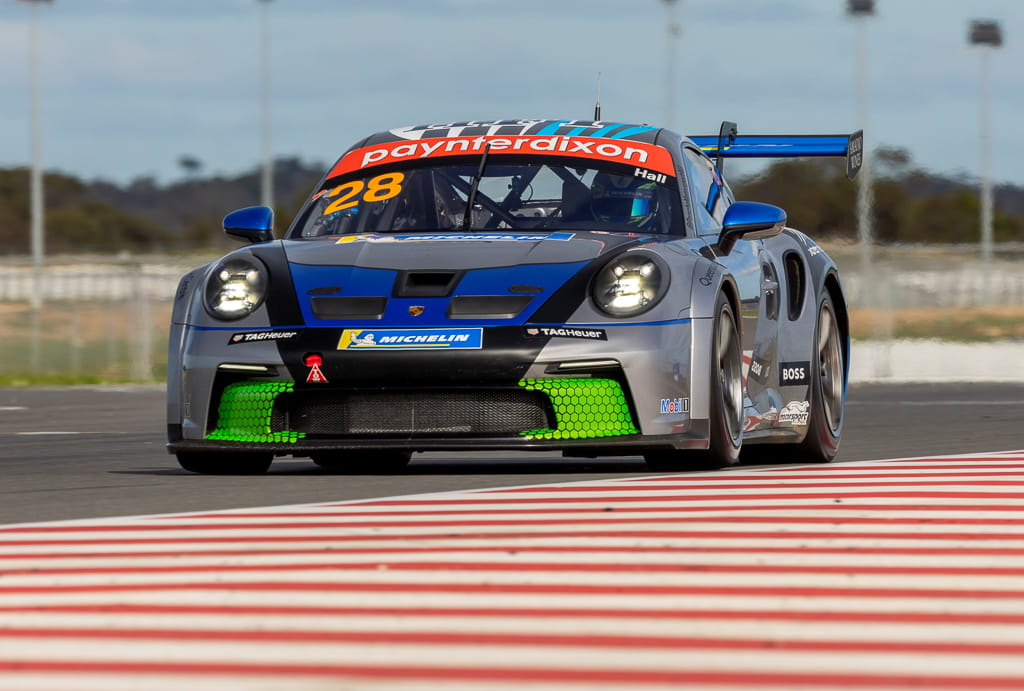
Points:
(129, 86)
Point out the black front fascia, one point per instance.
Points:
(506, 354)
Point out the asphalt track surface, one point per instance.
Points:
(94, 452)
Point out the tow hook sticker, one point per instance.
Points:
(315, 376)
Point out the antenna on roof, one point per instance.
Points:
(597, 105)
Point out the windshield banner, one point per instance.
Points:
(643, 155)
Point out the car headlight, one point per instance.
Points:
(630, 284)
(235, 288)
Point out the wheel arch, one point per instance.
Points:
(835, 291)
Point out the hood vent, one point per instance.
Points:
(487, 306)
(348, 307)
(426, 284)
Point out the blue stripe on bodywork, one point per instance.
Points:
(361, 282)
(630, 131)
(552, 128)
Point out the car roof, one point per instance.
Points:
(511, 128)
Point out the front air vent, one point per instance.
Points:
(348, 307)
(426, 284)
(412, 414)
(487, 306)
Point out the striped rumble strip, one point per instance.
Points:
(887, 574)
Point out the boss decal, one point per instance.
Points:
(567, 332)
(411, 339)
(254, 336)
(794, 373)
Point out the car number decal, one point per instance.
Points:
(375, 190)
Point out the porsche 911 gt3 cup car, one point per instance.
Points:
(584, 286)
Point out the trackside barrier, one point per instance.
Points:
(106, 318)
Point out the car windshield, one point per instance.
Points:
(511, 192)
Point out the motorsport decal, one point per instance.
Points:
(411, 339)
(634, 153)
(794, 413)
(567, 332)
(670, 406)
(253, 336)
(456, 237)
(794, 373)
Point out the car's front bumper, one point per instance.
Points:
(624, 394)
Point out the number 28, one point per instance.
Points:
(375, 190)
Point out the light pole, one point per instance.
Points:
(674, 32)
(988, 35)
(267, 180)
(860, 11)
(37, 238)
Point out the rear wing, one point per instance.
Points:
(728, 144)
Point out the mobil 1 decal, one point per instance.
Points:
(794, 373)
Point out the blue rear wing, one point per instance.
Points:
(730, 145)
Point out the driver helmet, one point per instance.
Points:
(623, 199)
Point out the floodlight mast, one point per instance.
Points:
(860, 11)
(267, 178)
(988, 35)
(675, 30)
(37, 237)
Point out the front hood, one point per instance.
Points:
(458, 251)
(430, 279)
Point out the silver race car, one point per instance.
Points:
(583, 286)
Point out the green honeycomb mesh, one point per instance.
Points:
(584, 408)
(244, 413)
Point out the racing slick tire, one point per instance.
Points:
(212, 463)
(827, 388)
(726, 421)
(365, 462)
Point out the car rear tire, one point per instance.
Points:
(726, 421)
(827, 388)
(225, 463)
(384, 461)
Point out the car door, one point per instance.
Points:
(711, 197)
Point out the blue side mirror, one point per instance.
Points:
(749, 221)
(252, 224)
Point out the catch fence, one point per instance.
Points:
(106, 318)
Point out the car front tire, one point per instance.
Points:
(827, 388)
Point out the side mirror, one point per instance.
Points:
(252, 224)
(749, 221)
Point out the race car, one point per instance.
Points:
(589, 287)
